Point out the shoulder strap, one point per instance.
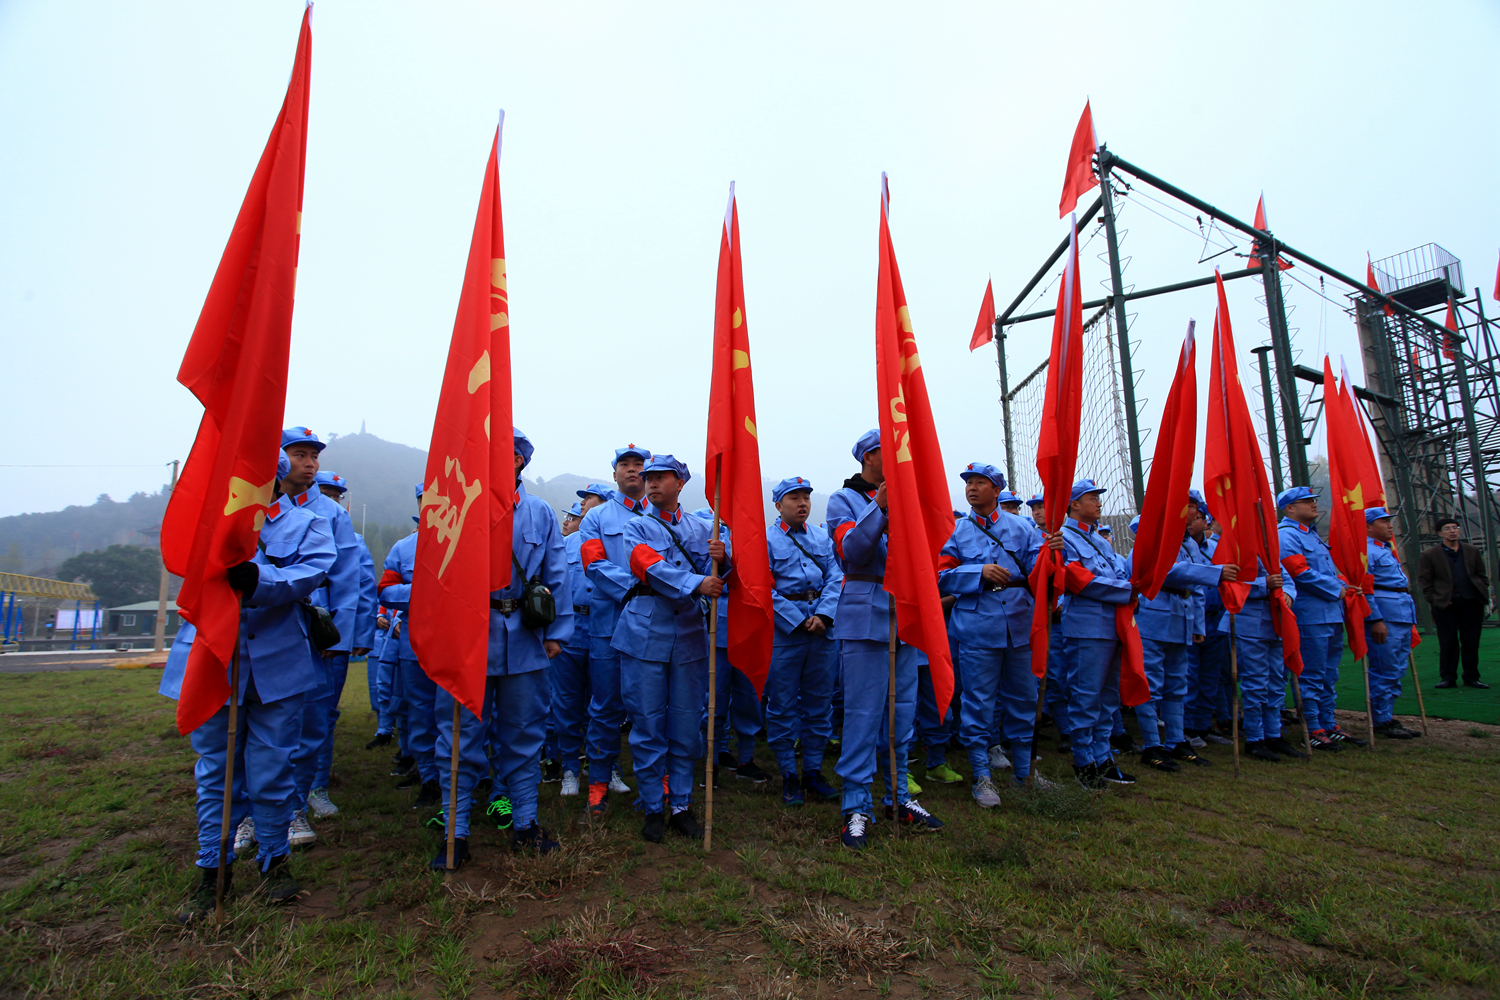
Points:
(1090, 540)
(793, 539)
(686, 554)
(1013, 557)
(260, 544)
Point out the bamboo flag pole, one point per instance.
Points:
(1234, 694)
(713, 678)
(1411, 657)
(890, 711)
(233, 739)
(1364, 661)
(1265, 544)
(453, 784)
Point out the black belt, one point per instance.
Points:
(863, 578)
(1394, 590)
(580, 609)
(642, 590)
(804, 595)
(505, 605)
(1016, 580)
(1175, 592)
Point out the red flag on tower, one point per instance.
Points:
(236, 365)
(1080, 175)
(1450, 342)
(1497, 282)
(1375, 285)
(916, 486)
(732, 464)
(469, 499)
(984, 327)
(1167, 507)
(1257, 247)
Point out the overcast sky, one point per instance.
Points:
(131, 130)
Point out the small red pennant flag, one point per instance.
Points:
(984, 328)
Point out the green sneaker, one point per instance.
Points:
(912, 788)
(944, 774)
(499, 812)
(438, 822)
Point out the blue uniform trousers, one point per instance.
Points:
(266, 736)
(386, 697)
(421, 718)
(1388, 662)
(338, 673)
(999, 696)
(314, 732)
(1167, 665)
(568, 673)
(606, 708)
(1208, 684)
(666, 701)
(1262, 672)
(396, 706)
(799, 693)
(1322, 648)
(1056, 696)
(372, 682)
(865, 666)
(935, 732)
(1093, 679)
(736, 706)
(509, 740)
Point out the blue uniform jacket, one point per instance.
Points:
(651, 626)
(342, 594)
(395, 592)
(985, 617)
(857, 528)
(1088, 607)
(1392, 600)
(606, 559)
(1208, 603)
(537, 543)
(1307, 560)
(800, 571)
(581, 590)
(369, 604)
(1177, 617)
(1254, 620)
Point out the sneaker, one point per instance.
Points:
(1184, 752)
(1261, 751)
(1123, 743)
(278, 882)
(654, 827)
(244, 835)
(985, 796)
(685, 823)
(725, 761)
(569, 783)
(752, 772)
(413, 779)
(853, 834)
(1159, 758)
(498, 812)
(791, 790)
(1285, 747)
(914, 816)
(380, 740)
(1341, 735)
(1321, 741)
(814, 783)
(1411, 734)
(438, 823)
(1217, 740)
(402, 766)
(300, 833)
(945, 775)
(1087, 776)
(998, 760)
(1114, 776)
(1197, 742)
(912, 788)
(439, 861)
(598, 798)
(551, 771)
(321, 805)
(1038, 782)
(428, 797)
(1390, 730)
(201, 903)
(617, 781)
(532, 836)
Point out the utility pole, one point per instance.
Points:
(1272, 440)
(1286, 378)
(1127, 376)
(1010, 459)
(159, 643)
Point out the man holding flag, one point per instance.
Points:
(1391, 640)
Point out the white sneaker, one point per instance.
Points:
(320, 804)
(569, 783)
(244, 835)
(1197, 742)
(300, 833)
(1041, 784)
(985, 795)
(998, 760)
(617, 783)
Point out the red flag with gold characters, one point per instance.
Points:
(236, 364)
(984, 327)
(1167, 506)
(1080, 174)
(1057, 446)
(469, 496)
(732, 464)
(1347, 534)
(916, 486)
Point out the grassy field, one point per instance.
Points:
(1461, 702)
(1363, 874)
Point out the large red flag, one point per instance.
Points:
(1080, 174)
(1346, 514)
(1167, 507)
(463, 541)
(916, 487)
(984, 327)
(1234, 476)
(1057, 445)
(732, 463)
(236, 365)
(1372, 483)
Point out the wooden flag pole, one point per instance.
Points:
(453, 784)
(1411, 657)
(1234, 695)
(713, 677)
(890, 711)
(1364, 662)
(1265, 545)
(233, 739)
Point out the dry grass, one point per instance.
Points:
(841, 945)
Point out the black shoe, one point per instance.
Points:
(201, 903)
(1339, 735)
(1123, 743)
(791, 790)
(482, 789)
(1260, 751)
(751, 771)
(1285, 747)
(429, 797)
(1481, 685)
(1289, 718)
(1184, 751)
(654, 827)
(814, 783)
(551, 771)
(1114, 776)
(1064, 745)
(1390, 730)
(380, 740)
(1446, 684)
(915, 818)
(278, 882)
(532, 836)
(1159, 758)
(726, 761)
(1411, 734)
(685, 823)
(1322, 741)
(460, 855)
(855, 832)
(401, 766)
(1087, 775)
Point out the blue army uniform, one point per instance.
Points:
(569, 670)
(799, 684)
(517, 692)
(379, 698)
(1208, 661)
(1261, 664)
(392, 694)
(416, 689)
(1169, 624)
(606, 560)
(1393, 603)
(736, 705)
(277, 674)
(991, 624)
(662, 640)
(1097, 583)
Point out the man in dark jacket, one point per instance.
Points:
(1453, 580)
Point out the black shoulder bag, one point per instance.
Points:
(320, 627)
(538, 606)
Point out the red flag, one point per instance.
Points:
(916, 486)
(984, 327)
(236, 365)
(1497, 282)
(1080, 175)
(732, 464)
(1450, 342)
(1057, 446)
(468, 506)
(1372, 483)
(1347, 536)
(1370, 280)
(1260, 213)
(1257, 247)
(1167, 506)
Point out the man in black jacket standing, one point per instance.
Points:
(1454, 582)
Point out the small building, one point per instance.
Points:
(136, 620)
